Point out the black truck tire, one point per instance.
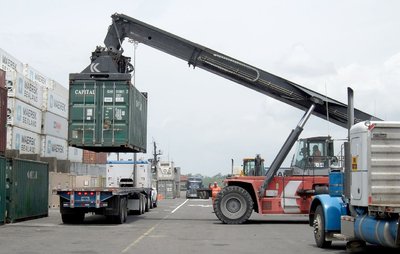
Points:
(148, 201)
(233, 205)
(122, 212)
(319, 228)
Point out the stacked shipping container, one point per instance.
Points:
(3, 112)
(90, 157)
(37, 112)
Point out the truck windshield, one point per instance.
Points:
(193, 185)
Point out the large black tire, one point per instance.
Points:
(233, 205)
(319, 228)
(75, 218)
(148, 201)
(141, 205)
(122, 212)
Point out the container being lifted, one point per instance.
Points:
(106, 112)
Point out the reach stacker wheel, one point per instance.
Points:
(233, 205)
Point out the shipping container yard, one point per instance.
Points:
(109, 145)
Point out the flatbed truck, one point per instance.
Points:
(114, 203)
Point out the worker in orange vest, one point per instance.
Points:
(215, 189)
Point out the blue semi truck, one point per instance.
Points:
(363, 204)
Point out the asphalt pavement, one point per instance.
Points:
(175, 226)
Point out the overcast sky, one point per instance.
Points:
(198, 119)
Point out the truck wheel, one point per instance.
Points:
(319, 228)
(148, 201)
(125, 210)
(233, 205)
(141, 205)
(121, 217)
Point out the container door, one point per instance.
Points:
(114, 126)
(82, 113)
(28, 189)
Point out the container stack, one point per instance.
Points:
(34, 126)
(55, 120)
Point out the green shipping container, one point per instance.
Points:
(107, 116)
(27, 194)
(2, 189)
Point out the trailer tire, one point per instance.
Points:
(233, 205)
(148, 201)
(319, 228)
(141, 205)
(122, 211)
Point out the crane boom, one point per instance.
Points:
(249, 76)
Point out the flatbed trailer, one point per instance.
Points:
(114, 203)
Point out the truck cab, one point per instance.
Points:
(192, 185)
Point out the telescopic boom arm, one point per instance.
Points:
(199, 56)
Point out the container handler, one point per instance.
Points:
(272, 194)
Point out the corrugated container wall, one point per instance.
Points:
(10, 63)
(2, 189)
(54, 125)
(36, 76)
(54, 147)
(75, 154)
(24, 89)
(79, 168)
(166, 188)
(166, 171)
(90, 157)
(107, 116)
(23, 115)
(28, 183)
(26, 142)
(3, 113)
(55, 103)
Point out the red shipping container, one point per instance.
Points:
(3, 112)
(90, 157)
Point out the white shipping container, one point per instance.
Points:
(166, 171)
(36, 76)
(23, 115)
(54, 147)
(75, 154)
(26, 142)
(9, 63)
(55, 103)
(55, 125)
(117, 170)
(143, 175)
(58, 88)
(24, 89)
